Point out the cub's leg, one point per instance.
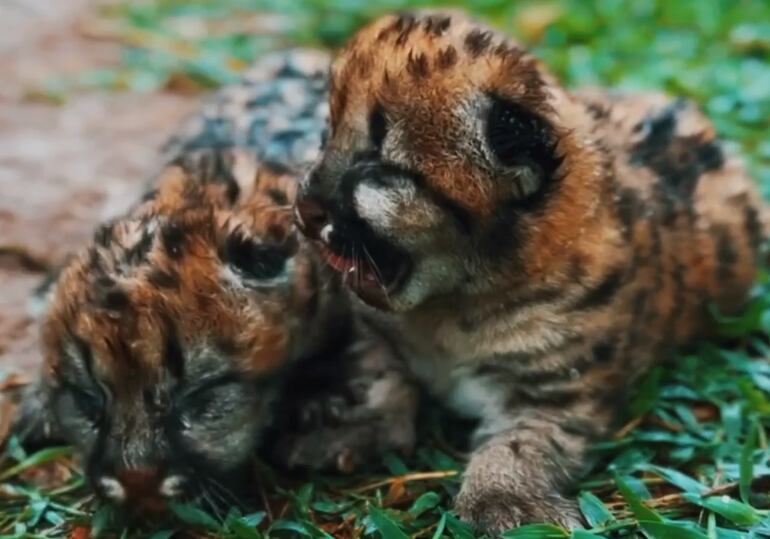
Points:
(524, 466)
(361, 406)
(31, 418)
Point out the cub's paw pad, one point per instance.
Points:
(494, 511)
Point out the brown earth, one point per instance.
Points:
(64, 167)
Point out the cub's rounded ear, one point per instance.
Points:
(29, 414)
(523, 144)
(41, 298)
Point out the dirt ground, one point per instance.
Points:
(63, 168)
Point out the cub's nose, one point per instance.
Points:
(144, 488)
(140, 482)
(312, 219)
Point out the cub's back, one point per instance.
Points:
(686, 205)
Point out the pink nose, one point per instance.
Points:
(142, 486)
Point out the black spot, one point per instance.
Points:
(149, 195)
(212, 166)
(114, 300)
(603, 293)
(163, 279)
(378, 127)
(604, 350)
(103, 234)
(277, 196)
(727, 255)
(630, 209)
(437, 25)
(598, 111)
(289, 71)
(172, 237)
(137, 253)
(255, 260)
(278, 169)
(417, 65)
(216, 132)
(405, 25)
(753, 226)
(446, 58)
(477, 41)
(173, 353)
(679, 161)
(709, 155)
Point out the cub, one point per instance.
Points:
(191, 331)
(529, 250)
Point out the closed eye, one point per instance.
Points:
(200, 398)
(89, 402)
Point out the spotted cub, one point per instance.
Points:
(529, 250)
(198, 324)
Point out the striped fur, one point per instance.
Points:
(534, 249)
(187, 327)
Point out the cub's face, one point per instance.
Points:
(447, 168)
(166, 337)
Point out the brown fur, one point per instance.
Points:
(537, 314)
(189, 325)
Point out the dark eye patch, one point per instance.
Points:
(378, 127)
(90, 402)
(518, 136)
(255, 260)
(203, 396)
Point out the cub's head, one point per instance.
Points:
(165, 338)
(454, 161)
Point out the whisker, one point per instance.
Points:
(227, 495)
(377, 272)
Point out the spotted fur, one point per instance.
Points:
(529, 250)
(180, 337)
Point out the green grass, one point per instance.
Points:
(693, 460)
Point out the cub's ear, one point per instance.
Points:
(40, 299)
(523, 144)
(29, 416)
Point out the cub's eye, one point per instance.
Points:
(212, 397)
(256, 261)
(523, 142)
(89, 402)
(378, 127)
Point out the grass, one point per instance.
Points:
(693, 459)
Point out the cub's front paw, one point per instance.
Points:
(495, 509)
(500, 492)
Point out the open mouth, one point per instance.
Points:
(374, 281)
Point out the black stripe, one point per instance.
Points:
(173, 353)
(727, 255)
(553, 396)
(603, 293)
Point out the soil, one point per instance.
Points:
(63, 167)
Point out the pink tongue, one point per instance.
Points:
(345, 265)
(337, 262)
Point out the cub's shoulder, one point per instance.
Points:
(278, 110)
